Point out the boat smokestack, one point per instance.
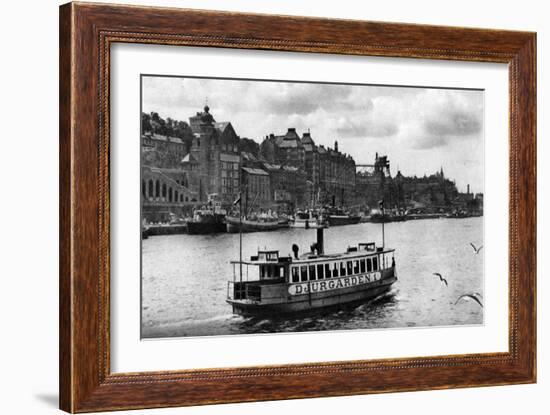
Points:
(320, 241)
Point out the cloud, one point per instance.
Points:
(453, 122)
(446, 117)
(366, 128)
(303, 99)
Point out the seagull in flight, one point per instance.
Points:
(474, 296)
(441, 278)
(476, 249)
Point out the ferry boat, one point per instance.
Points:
(314, 280)
(208, 219)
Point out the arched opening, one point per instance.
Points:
(176, 196)
(170, 194)
(150, 188)
(164, 190)
(143, 191)
(157, 189)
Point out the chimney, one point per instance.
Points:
(320, 242)
(468, 189)
(336, 145)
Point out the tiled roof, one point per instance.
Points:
(306, 139)
(288, 144)
(160, 137)
(249, 156)
(271, 166)
(258, 172)
(221, 125)
(189, 159)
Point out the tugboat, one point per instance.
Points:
(289, 284)
(208, 219)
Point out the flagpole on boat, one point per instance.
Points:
(240, 226)
(381, 206)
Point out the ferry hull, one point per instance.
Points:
(315, 300)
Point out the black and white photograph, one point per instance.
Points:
(282, 206)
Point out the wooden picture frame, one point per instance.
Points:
(86, 33)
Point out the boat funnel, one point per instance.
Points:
(320, 241)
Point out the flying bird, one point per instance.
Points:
(473, 296)
(441, 278)
(476, 249)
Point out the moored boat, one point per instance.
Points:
(386, 218)
(338, 217)
(306, 219)
(233, 224)
(208, 219)
(314, 280)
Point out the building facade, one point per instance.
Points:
(165, 194)
(214, 159)
(284, 173)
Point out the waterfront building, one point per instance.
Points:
(214, 158)
(288, 187)
(165, 194)
(162, 150)
(284, 149)
(311, 160)
(258, 187)
(338, 184)
(287, 171)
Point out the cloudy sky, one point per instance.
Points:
(420, 129)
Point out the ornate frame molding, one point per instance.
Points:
(86, 34)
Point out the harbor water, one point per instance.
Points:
(184, 279)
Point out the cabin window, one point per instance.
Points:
(327, 270)
(312, 274)
(356, 267)
(320, 272)
(276, 272)
(303, 273)
(362, 262)
(375, 264)
(342, 269)
(350, 267)
(335, 270)
(295, 276)
(369, 264)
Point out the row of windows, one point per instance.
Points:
(230, 147)
(230, 173)
(229, 182)
(227, 165)
(157, 191)
(333, 270)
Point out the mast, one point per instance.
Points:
(381, 206)
(240, 228)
